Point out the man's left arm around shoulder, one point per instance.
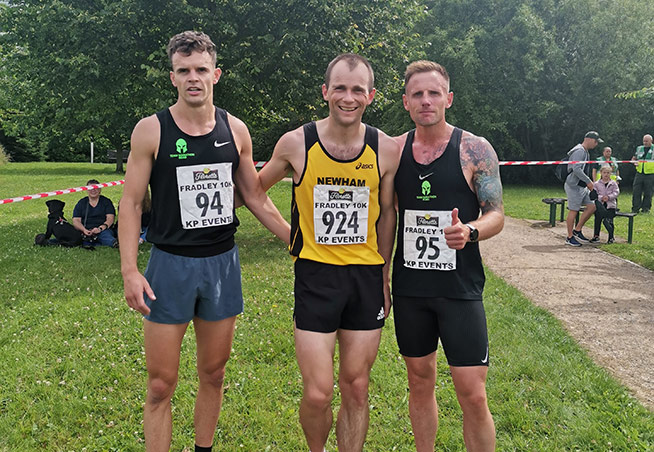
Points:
(482, 170)
(249, 186)
(389, 159)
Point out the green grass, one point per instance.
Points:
(525, 202)
(72, 373)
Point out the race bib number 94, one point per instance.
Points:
(424, 240)
(340, 214)
(206, 195)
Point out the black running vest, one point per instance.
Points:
(196, 172)
(425, 193)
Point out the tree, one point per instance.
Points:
(84, 81)
(109, 67)
(647, 92)
(534, 76)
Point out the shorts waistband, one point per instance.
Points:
(213, 249)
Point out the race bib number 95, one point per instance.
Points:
(340, 214)
(424, 240)
(206, 195)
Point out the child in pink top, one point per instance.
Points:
(607, 195)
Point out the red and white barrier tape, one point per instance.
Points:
(261, 164)
(60, 192)
(561, 162)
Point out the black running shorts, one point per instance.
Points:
(331, 297)
(460, 325)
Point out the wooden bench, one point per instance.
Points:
(111, 155)
(553, 202)
(630, 215)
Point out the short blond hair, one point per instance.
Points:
(424, 66)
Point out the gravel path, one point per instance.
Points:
(606, 303)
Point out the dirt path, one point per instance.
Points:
(606, 303)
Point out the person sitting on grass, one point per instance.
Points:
(607, 195)
(93, 216)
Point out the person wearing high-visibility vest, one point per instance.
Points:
(644, 179)
(606, 159)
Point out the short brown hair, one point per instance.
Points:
(352, 60)
(191, 41)
(424, 66)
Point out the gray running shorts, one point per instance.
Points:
(577, 196)
(188, 287)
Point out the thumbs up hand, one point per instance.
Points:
(455, 216)
(456, 235)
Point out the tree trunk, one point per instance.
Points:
(119, 158)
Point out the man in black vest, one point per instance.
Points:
(446, 178)
(194, 155)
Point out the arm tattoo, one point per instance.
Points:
(478, 157)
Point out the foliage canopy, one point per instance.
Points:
(531, 76)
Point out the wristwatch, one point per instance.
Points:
(474, 233)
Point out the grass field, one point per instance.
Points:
(72, 373)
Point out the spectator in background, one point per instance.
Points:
(644, 178)
(606, 159)
(93, 216)
(607, 201)
(577, 188)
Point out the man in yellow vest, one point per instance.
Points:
(644, 178)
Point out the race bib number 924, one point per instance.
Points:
(340, 214)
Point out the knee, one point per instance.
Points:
(317, 397)
(421, 382)
(160, 390)
(214, 376)
(354, 390)
(474, 403)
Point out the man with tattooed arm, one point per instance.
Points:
(447, 177)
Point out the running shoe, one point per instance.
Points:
(572, 241)
(579, 236)
(611, 240)
(594, 240)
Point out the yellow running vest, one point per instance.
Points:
(335, 206)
